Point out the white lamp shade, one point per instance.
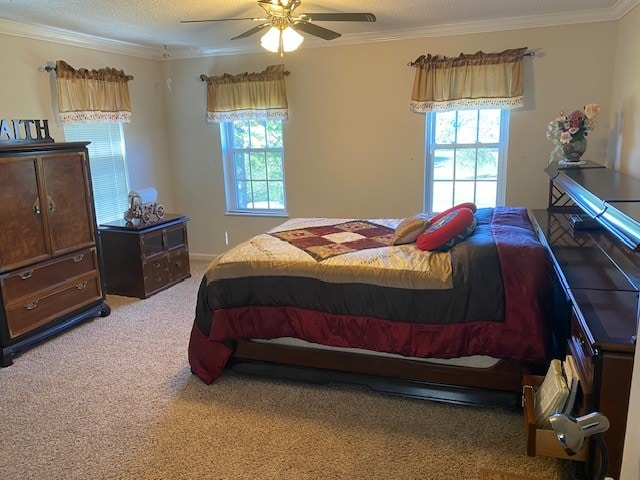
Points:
(271, 40)
(290, 39)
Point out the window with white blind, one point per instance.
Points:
(108, 166)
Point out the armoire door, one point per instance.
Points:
(22, 236)
(68, 206)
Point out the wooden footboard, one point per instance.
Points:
(500, 384)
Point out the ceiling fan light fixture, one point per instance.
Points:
(291, 39)
(276, 40)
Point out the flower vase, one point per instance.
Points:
(574, 149)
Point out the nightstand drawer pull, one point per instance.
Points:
(156, 265)
(26, 275)
(31, 306)
(78, 258)
(82, 285)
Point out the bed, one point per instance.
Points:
(333, 300)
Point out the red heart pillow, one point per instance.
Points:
(455, 224)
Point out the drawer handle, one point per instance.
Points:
(156, 265)
(26, 275)
(78, 258)
(31, 306)
(82, 285)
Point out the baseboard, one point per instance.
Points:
(202, 256)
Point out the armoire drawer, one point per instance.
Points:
(38, 311)
(28, 281)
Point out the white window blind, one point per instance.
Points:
(108, 166)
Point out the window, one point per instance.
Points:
(253, 160)
(108, 168)
(466, 152)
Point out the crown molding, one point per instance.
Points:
(619, 10)
(66, 37)
(622, 7)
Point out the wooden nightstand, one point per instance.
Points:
(142, 259)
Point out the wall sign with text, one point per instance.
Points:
(25, 131)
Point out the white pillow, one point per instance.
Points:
(409, 229)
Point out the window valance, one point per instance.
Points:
(247, 96)
(480, 80)
(92, 96)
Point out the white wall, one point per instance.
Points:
(26, 93)
(353, 149)
(625, 153)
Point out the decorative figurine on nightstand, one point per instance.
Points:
(142, 205)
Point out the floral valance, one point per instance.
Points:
(480, 80)
(88, 96)
(247, 96)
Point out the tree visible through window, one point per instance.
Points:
(465, 158)
(253, 154)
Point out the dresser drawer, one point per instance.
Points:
(156, 274)
(581, 349)
(541, 441)
(38, 311)
(179, 264)
(27, 282)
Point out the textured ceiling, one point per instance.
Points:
(153, 24)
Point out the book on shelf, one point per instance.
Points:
(571, 374)
(552, 394)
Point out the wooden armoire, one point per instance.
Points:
(50, 263)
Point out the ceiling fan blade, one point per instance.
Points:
(315, 30)
(339, 17)
(250, 32)
(224, 20)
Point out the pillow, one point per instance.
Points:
(410, 229)
(447, 229)
(471, 206)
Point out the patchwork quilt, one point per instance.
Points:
(326, 241)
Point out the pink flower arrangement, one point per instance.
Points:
(573, 127)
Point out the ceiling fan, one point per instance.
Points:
(282, 35)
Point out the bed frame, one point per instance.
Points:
(500, 384)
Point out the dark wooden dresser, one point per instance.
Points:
(142, 259)
(50, 262)
(598, 279)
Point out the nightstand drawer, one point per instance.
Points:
(37, 311)
(156, 274)
(179, 264)
(27, 282)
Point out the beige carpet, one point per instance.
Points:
(114, 399)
